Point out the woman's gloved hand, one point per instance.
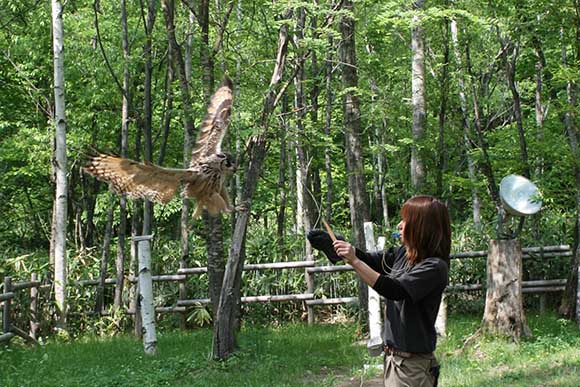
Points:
(320, 240)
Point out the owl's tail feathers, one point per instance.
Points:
(214, 205)
(198, 210)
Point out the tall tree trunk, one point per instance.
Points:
(375, 137)
(282, 184)
(303, 215)
(147, 108)
(213, 224)
(485, 165)
(224, 333)
(188, 127)
(418, 98)
(354, 155)
(59, 162)
(510, 64)
(570, 305)
(121, 257)
(444, 87)
(136, 229)
(100, 296)
(467, 132)
(382, 168)
(327, 125)
(315, 197)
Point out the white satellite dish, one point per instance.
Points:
(519, 196)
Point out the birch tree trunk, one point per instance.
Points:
(418, 98)
(353, 146)
(60, 167)
(146, 295)
(224, 332)
(467, 131)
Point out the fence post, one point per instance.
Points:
(375, 342)
(33, 307)
(309, 278)
(182, 296)
(6, 308)
(146, 294)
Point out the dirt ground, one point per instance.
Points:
(371, 377)
(356, 382)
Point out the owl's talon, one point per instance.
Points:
(242, 207)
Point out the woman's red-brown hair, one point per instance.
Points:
(427, 231)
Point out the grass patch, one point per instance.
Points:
(293, 355)
(550, 358)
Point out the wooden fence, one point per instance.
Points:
(309, 298)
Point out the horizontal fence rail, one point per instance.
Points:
(309, 298)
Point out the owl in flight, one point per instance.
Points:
(204, 180)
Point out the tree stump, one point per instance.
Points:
(504, 310)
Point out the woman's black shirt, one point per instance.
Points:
(413, 295)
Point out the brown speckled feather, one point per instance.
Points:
(204, 180)
(137, 180)
(215, 123)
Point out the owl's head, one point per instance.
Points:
(226, 162)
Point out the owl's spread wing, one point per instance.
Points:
(215, 123)
(137, 180)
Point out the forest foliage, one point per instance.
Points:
(94, 64)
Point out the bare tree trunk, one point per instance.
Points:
(121, 257)
(570, 305)
(327, 124)
(147, 108)
(354, 156)
(510, 64)
(504, 310)
(467, 132)
(60, 166)
(213, 224)
(303, 215)
(188, 126)
(224, 332)
(375, 139)
(418, 99)
(382, 168)
(100, 296)
(167, 107)
(444, 87)
(485, 166)
(281, 217)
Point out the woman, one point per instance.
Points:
(412, 279)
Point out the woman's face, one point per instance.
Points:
(401, 228)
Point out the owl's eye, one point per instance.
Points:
(221, 155)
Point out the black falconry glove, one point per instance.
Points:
(320, 240)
